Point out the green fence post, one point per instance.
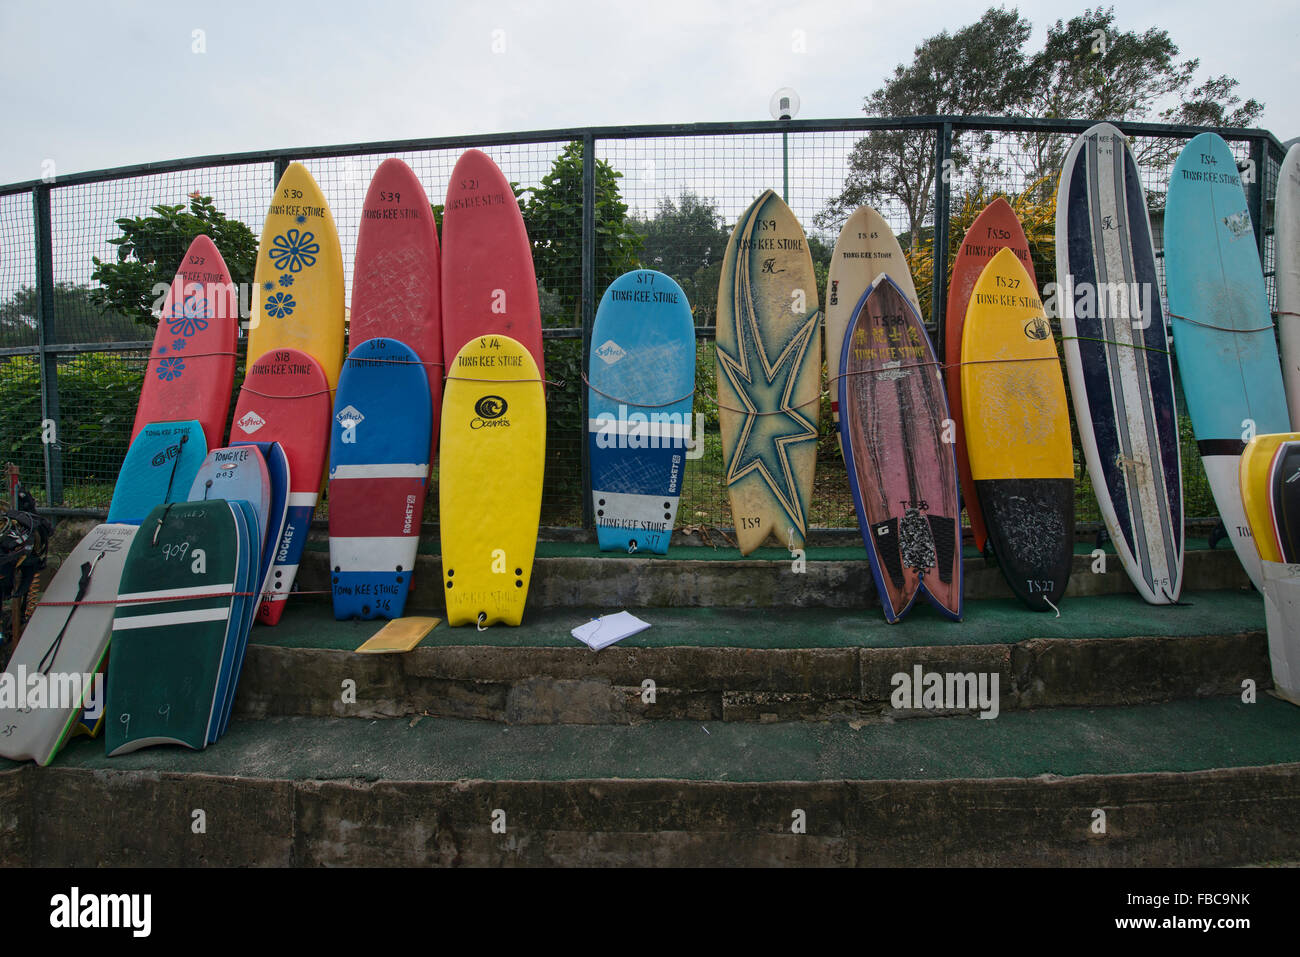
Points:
(939, 281)
(1255, 189)
(53, 456)
(588, 306)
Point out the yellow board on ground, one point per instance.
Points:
(490, 480)
(1017, 423)
(1254, 469)
(298, 292)
(400, 634)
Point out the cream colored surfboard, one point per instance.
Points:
(769, 372)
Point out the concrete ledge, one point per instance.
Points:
(1213, 782)
(575, 686)
(744, 583)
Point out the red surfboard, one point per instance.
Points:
(286, 399)
(997, 227)
(191, 368)
(396, 276)
(488, 281)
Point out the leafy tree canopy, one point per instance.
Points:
(150, 249)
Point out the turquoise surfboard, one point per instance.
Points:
(1224, 339)
(159, 467)
(641, 386)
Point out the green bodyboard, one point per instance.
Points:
(166, 655)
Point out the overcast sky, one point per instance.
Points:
(103, 83)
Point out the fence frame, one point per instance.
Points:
(1263, 146)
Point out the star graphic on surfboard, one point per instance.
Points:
(772, 424)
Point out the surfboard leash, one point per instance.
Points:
(180, 451)
(636, 405)
(87, 570)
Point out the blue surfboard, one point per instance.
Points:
(641, 386)
(277, 468)
(379, 469)
(160, 465)
(1224, 339)
(237, 474)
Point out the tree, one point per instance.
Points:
(980, 69)
(1089, 68)
(150, 249)
(686, 240)
(76, 314)
(553, 217)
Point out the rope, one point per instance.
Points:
(816, 398)
(1210, 325)
(188, 355)
(274, 395)
(400, 362)
(1286, 312)
(149, 599)
(1115, 342)
(637, 405)
(558, 383)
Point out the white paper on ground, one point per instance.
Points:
(1282, 615)
(604, 631)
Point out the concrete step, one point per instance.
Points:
(759, 664)
(1208, 782)
(576, 574)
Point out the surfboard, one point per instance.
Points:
(170, 626)
(1115, 341)
(298, 293)
(490, 480)
(1266, 495)
(160, 465)
(1223, 333)
(1018, 432)
(191, 367)
(488, 281)
(379, 470)
(866, 247)
(996, 228)
(769, 372)
(239, 475)
(285, 399)
(1282, 619)
(1286, 245)
(894, 427)
(67, 643)
(641, 386)
(396, 276)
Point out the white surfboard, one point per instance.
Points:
(1286, 232)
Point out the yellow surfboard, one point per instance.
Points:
(299, 277)
(1254, 468)
(490, 480)
(1018, 431)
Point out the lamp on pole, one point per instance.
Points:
(783, 106)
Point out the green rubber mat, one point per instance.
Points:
(1177, 736)
(309, 624)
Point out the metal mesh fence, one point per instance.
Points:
(96, 354)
